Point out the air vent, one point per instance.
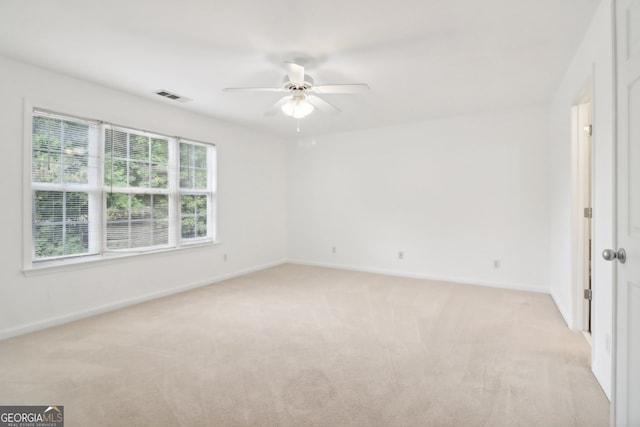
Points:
(172, 96)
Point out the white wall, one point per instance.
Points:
(591, 65)
(251, 202)
(453, 194)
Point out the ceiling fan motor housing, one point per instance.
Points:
(301, 86)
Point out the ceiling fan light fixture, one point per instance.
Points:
(297, 107)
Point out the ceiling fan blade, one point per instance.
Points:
(322, 104)
(295, 72)
(254, 89)
(275, 108)
(341, 88)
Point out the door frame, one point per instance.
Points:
(580, 167)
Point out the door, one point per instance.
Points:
(626, 399)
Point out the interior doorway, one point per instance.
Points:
(583, 130)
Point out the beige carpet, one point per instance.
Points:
(306, 346)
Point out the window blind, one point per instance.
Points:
(61, 174)
(138, 192)
(195, 191)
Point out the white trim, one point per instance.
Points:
(67, 318)
(614, 241)
(576, 285)
(27, 214)
(210, 192)
(79, 262)
(582, 196)
(544, 289)
(55, 321)
(564, 315)
(614, 219)
(213, 215)
(174, 193)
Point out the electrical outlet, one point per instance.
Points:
(333, 249)
(496, 264)
(400, 255)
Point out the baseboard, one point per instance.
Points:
(562, 312)
(604, 386)
(398, 273)
(67, 318)
(60, 320)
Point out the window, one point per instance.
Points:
(60, 176)
(99, 189)
(137, 181)
(194, 190)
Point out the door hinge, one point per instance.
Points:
(588, 294)
(588, 212)
(588, 130)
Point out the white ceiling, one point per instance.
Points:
(422, 58)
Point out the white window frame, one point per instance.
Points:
(170, 192)
(210, 192)
(97, 191)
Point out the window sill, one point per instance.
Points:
(68, 264)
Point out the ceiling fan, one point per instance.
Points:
(301, 100)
